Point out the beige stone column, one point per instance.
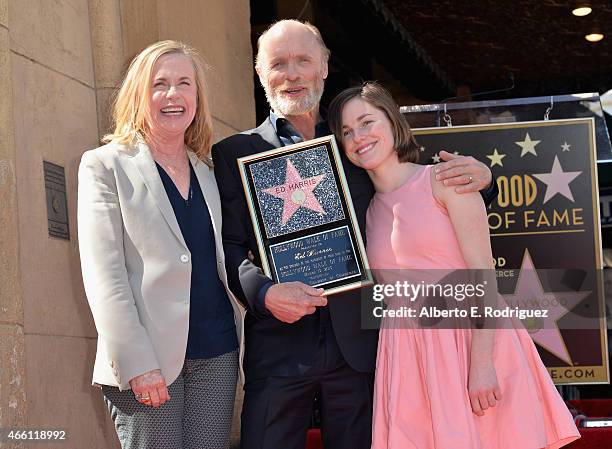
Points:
(60, 63)
(54, 119)
(108, 55)
(13, 407)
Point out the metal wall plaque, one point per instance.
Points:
(57, 205)
(303, 216)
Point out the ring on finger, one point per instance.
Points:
(470, 179)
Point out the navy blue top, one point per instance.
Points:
(212, 331)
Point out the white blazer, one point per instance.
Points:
(135, 263)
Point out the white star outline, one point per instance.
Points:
(547, 337)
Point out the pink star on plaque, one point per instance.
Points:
(296, 192)
(529, 294)
(557, 181)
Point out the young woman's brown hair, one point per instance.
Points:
(372, 92)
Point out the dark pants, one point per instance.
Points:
(277, 411)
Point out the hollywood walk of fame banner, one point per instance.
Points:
(303, 216)
(545, 232)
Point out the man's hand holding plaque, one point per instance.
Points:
(290, 301)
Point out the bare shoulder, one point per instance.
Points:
(439, 191)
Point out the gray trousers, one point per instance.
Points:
(198, 415)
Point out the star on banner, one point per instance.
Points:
(496, 158)
(422, 149)
(557, 181)
(566, 146)
(528, 145)
(529, 294)
(296, 192)
(435, 158)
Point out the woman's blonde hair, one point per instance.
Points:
(132, 109)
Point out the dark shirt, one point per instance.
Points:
(288, 135)
(212, 330)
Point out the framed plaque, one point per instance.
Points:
(303, 216)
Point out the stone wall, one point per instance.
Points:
(60, 62)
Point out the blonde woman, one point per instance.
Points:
(149, 221)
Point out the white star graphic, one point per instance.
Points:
(435, 158)
(455, 152)
(566, 146)
(528, 145)
(529, 294)
(557, 181)
(496, 158)
(422, 148)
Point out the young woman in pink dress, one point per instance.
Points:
(439, 388)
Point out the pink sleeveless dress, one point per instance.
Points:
(420, 395)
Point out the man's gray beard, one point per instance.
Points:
(286, 106)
